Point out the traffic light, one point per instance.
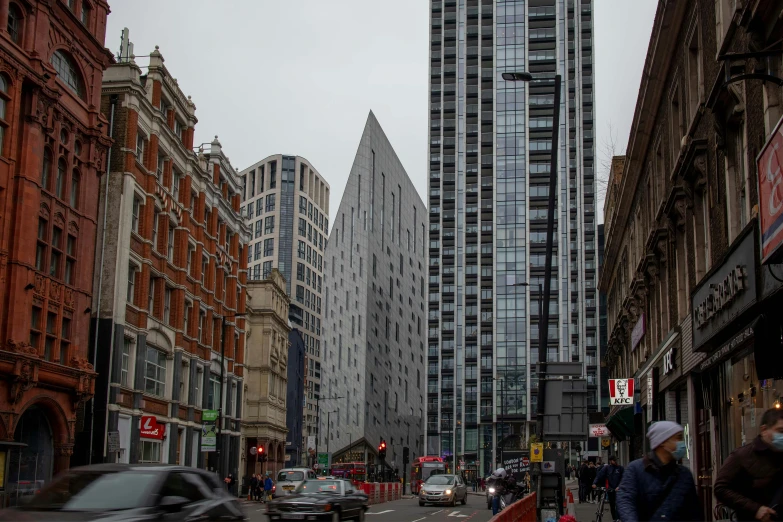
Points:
(382, 449)
(405, 455)
(261, 454)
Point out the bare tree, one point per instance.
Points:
(608, 149)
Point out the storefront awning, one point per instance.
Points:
(620, 422)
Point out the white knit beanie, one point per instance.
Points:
(660, 432)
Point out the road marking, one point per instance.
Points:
(436, 512)
(417, 520)
(457, 514)
(380, 512)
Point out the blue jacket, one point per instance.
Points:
(268, 484)
(614, 474)
(644, 483)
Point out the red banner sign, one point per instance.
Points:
(150, 429)
(770, 174)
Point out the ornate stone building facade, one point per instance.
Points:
(266, 374)
(172, 288)
(53, 148)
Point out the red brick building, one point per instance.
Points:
(53, 146)
(174, 268)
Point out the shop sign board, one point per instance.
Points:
(770, 179)
(599, 430)
(638, 332)
(724, 295)
(668, 361)
(209, 430)
(150, 429)
(621, 392)
(113, 441)
(718, 355)
(650, 392)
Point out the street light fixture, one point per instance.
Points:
(543, 319)
(318, 423)
(219, 442)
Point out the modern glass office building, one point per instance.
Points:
(490, 149)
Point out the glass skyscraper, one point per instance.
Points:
(490, 149)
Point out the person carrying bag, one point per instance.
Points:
(656, 487)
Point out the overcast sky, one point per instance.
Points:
(300, 76)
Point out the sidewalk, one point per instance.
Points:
(586, 512)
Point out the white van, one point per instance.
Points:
(288, 479)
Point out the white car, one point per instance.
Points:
(288, 479)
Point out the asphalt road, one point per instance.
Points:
(407, 510)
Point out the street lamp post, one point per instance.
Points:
(543, 320)
(219, 442)
(318, 423)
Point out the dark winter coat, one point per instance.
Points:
(586, 474)
(644, 483)
(614, 474)
(750, 478)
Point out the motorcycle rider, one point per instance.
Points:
(499, 481)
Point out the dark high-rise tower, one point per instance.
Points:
(490, 146)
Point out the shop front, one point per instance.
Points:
(740, 376)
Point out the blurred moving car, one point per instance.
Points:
(288, 480)
(130, 492)
(443, 489)
(322, 499)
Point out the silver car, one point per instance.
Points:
(289, 478)
(443, 489)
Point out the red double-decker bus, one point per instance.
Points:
(354, 471)
(422, 468)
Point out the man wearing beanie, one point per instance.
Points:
(750, 480)
(656, 487)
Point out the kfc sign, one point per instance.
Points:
(770, 179)
(620, 392)
(150, 429)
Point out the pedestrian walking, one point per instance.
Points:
(592, 472)
(751, 480)
(253, 487)
(584, 482)
(610, 477)
(259, 487)
(268, 484)
(656, 487)
(229, 480)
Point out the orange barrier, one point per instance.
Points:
(381, 492)
(523, 510)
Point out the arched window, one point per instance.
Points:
(75, 180)
(68, 72)
(14, 27)
(60, 184)
(85, 15)
(46, 174)
(3, 105)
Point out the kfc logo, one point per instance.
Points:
(620, 392)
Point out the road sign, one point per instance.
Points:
(548, 466)
(525, 461)
(537, 452)
(113, 441)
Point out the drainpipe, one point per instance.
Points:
(113, 98)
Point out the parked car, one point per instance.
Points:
(129, 493)
(320, 499)
(443, 489)
(288, 480)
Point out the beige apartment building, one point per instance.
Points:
(286, 204)
(266, 365)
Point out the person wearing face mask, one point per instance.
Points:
(610, 476)
(656, 487)
(751, 479)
